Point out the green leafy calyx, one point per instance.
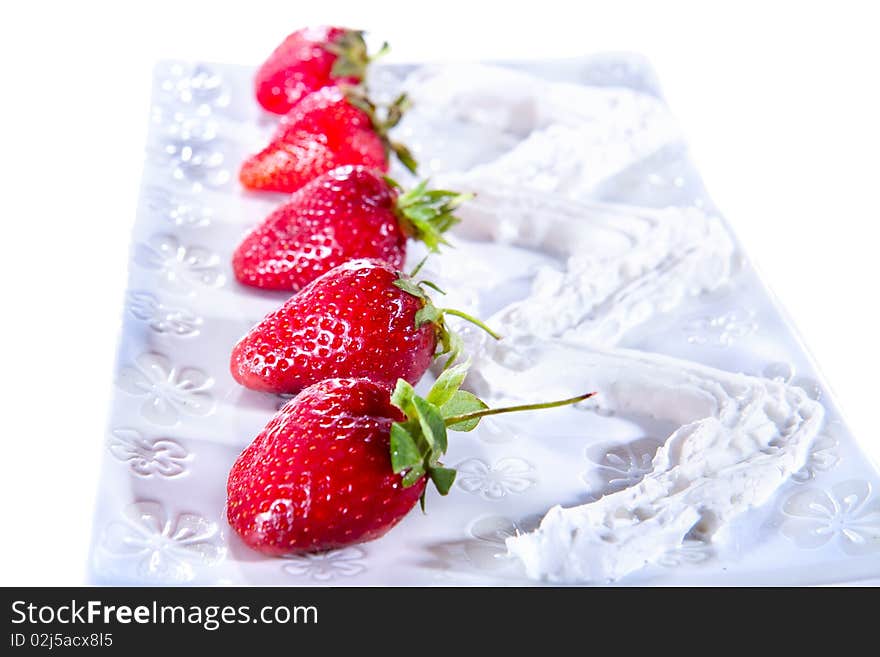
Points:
(425, 214)
(384, 118)
(420, 441)
(449, 343)
(352, 56)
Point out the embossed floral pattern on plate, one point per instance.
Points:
(823, 456)
(179, 212)
(165, 320)
(326, 566)
(162, 548)
(619, 465)
(162, 457)
(847, 514)
(168, 391)
(190, 150)
(198, 86)
(507, 476)
(180, 268)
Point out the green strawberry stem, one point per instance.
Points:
(473, 320)
(420, 441)
(464, 417)
(352, 56)
(450, 343)
(393, 113)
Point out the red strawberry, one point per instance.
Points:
(307, 60)
(328, 128)
(361, 319)
(346, 213)
(319, 475)
(341, 464)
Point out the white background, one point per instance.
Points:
(779, 102)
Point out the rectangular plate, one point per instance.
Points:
(178, 420)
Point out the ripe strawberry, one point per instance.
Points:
(345, 460)
(328, 128)
(360, 319)
(319, 475)
(347, 213)
(307, 60)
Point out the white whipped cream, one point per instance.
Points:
(618, 266)
(505, 125)
(615, 266)
(573, 277)
(739, 439)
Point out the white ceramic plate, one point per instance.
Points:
(178, 420)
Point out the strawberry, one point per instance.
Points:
(347, 213)
(345, 460)
(328, 128)
(319, 475)
(307, 60)
(361, 319)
